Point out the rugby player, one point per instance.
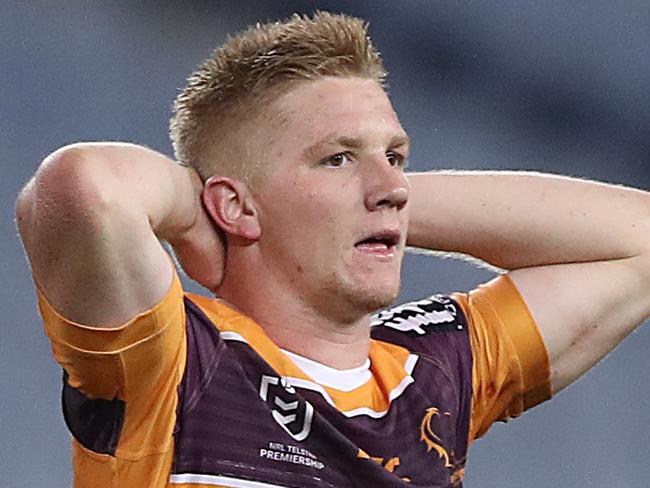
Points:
(291, 203)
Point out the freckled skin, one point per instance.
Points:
(312, 215)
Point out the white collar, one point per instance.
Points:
(340, 379)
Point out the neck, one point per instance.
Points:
(294, 325)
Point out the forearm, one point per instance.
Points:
(516, 220)
(119, 179)
(91, 220)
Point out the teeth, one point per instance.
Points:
(374, 245)
(375, 242)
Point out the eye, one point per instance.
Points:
(337, 160)
(396, 159)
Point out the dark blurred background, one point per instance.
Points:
(536, 85)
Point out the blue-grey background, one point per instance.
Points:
(538, 85)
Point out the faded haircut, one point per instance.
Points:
(251, 69)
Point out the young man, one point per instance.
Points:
(293, 206)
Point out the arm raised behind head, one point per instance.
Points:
(91, 219)
(578, 251)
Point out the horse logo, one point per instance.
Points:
(429, 437)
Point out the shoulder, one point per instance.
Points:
(434, 326)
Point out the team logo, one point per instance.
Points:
(429, 437)
(292, 413)
(415, 316)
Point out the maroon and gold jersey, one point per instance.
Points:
(194, 394)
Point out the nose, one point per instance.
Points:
(386, 187)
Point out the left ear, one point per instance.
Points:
(232, 207)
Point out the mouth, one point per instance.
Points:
(383, 243)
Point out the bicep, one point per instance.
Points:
(96, 263)
(584, 310)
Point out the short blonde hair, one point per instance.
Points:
(254, 67)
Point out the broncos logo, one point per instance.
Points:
(429, 437)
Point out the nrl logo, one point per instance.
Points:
(293, 414)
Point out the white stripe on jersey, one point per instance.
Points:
(212, 480)
(392, 395)
(409, 365)
(232, 336)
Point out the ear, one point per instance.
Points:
(232, 207)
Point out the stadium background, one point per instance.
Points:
(552, 85)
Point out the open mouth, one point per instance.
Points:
(382, 243)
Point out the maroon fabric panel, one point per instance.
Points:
(230, 398)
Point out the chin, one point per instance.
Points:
(380, 302)
(349, 300)
(369, 300)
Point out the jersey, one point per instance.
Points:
(194, 394)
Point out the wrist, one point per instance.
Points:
(185, 207)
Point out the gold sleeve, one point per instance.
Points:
(140, 362)
(510, 371)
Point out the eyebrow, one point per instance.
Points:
(353, 143)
